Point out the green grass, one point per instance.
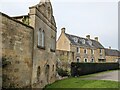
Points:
(77, 83)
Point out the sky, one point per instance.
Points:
(79, 17)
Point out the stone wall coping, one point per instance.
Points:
(16, 20)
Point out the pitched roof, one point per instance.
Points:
(112, 52)
(88, 42)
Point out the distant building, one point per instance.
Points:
(112, 55)
(28, 48)
(79, 49)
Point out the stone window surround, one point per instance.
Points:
(41, 44)
(100, 51)
(92, 51)
(85, 51)
(53, 41)
(85, 60)
(92, 59)
(78, 50)
(78, 59)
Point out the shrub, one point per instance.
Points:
(62, 72)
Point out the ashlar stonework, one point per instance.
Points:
(28, 48)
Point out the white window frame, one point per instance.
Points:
(93, 60)
(78, 50)
(39, 37)
(86, 59)
(92, 51)
(77, 59)
(100, 51)
(43, 39)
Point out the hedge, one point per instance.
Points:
(79, 69)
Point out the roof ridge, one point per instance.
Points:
(79, 36)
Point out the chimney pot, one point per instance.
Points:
(88, 36)
(96, 38)
(63, 30)
(109, 47)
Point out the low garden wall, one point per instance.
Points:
(79, 69)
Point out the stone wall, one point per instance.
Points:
(44, 61)
(17, 47)
(112, 58)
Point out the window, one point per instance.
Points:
(100, 51)
(53, 68)
(85, 60)
(85, 51)
(73, 56)
(43, 39)
(38, 74)
(83, 41)
(90, 43)
(39, 38)
(92, 51)
(92, 60)
(78, 59)
(76, 39)
(47, 72)
(78, 50)
(53, 42)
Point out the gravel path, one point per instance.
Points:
(112, 75)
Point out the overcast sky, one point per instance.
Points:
(81, 17)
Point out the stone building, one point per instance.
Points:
(28, 48)
(80, 49)
(112, 55)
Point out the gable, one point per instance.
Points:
(45, 7)
(63, 43)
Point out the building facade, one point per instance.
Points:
(84, 49)
(28, 47)
(112, 55)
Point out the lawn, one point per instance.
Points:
(78, 83)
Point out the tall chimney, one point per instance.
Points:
(88, 36)
(63, 30)
(96, 38)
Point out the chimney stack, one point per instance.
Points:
(63, 30)
(109, 47)
(96, 38)
(88, 36)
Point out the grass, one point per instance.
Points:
(77, 83)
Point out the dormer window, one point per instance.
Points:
(83, 41)
(76, 39)
(90, 43)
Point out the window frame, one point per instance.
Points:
(92, 51)
(100, 51)
(85, 51)
(78, 50)
(85, 59)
